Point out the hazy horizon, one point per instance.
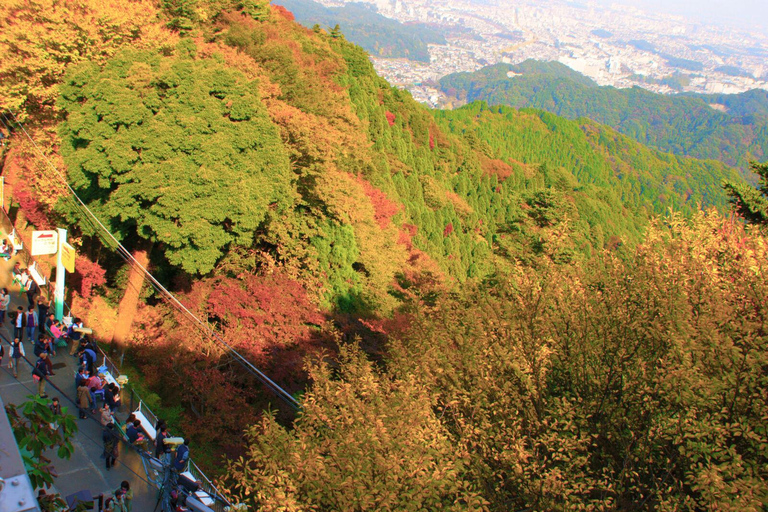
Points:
(745, 13)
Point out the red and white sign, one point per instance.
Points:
(44, 242)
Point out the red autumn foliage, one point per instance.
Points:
(391, 118)
(33, 210)
(407, 232)
(494, 166)
(270, 318)
(282, 11)
(431, 140)
(383, 207)
(448, 229)
(88, 275)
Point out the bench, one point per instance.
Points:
(146, 426)
(15, 241)
(200, 494)
(34, 272)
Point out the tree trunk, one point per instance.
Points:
(129, 304)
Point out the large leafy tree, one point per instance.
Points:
(751, 203)
(175, 150)
(364, 441)
(40, 39)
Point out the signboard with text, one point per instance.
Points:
(68, 257)
(44, 242)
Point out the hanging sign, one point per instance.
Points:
(44, 242)
(68, 257)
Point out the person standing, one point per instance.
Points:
(32, 290)
(5, 301)
(105, 416)
(83, 399)
(40, 374)
(162, 450)
(42, 308)
(109, 436)
(182, 456)
(55, 408)
(127, 495)
(19, 322)
(31, 322)
(17, 352)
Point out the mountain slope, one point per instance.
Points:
(684, 124)
(361, 24)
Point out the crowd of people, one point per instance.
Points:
(49, 336)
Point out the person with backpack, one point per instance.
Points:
(40, 374)
(17, 352)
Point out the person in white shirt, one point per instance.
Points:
(5, 301)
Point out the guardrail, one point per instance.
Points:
(220, 502)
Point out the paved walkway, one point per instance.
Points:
(85, 469)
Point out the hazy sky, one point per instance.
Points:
(752, 13)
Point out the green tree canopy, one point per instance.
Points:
(175, 149)
(751, 203)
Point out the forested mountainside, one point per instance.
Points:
(730, 128)
(481, 309)
(378, 35)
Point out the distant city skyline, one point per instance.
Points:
(751, 14)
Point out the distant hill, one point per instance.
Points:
(729, 128)
(378, 35)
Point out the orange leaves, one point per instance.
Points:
(384, 208)
(39, 41)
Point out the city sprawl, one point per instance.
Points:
(618, 46)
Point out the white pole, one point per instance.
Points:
(60, 274)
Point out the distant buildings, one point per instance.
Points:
(592, 41)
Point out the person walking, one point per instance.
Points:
(40, 374)
(109, 436)
(19, 322)
(17, 352)
(5, 301)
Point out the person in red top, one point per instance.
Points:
(94, 383)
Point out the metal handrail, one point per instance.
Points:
(219, 500)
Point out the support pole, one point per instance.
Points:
(60, 275)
